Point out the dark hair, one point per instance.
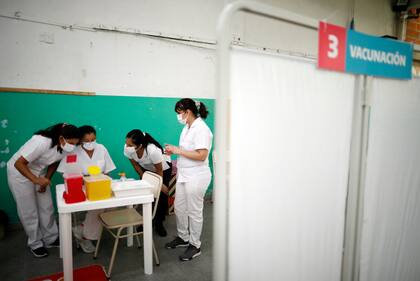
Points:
(138, 137)
(197, 107)
(86, 130)
(61, 129)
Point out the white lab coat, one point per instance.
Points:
(35, 210)
(152, 155)
(193, 179)
(102, 159)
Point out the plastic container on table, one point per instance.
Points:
(98, 187)
(131, 188)
(74, 188)
(73, 181)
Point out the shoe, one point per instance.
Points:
(78, 232)
(87, 246)
(190, 253)
(176, 243)
(39, 252)
(55, 244)
(160, 230)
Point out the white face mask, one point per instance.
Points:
(68, 147)
(89, 145)
(180, 120)
(129, 151)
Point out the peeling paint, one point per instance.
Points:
(4, 123)
(5, 151)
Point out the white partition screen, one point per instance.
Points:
(290, 141)
(390, 248)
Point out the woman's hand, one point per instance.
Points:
(42, 182)
(42, 189)
(171, 149)
(165, 189)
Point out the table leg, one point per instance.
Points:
(60, 233)
(66, 245)
(129, 233)
(147, 238)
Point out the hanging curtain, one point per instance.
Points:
(390, 247)
(289, 142)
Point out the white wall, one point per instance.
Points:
(123, 64)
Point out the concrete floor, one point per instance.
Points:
(17, 263)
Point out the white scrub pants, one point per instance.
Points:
(35, 211)
(92, 225)
(189, 200)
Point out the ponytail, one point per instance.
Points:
(202, 110)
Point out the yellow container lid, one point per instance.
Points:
(100, 177)
(94, 170)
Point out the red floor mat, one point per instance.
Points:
(89, 273)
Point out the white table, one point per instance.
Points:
(65, 210)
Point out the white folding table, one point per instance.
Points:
(65, 210)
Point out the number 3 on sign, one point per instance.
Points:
(333, 46)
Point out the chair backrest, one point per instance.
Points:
(156, 181)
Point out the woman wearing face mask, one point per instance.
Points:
(146, 154)
(90, 153)
(193, 176)
(29, 173)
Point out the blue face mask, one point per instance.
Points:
(68, 147)
(180, 120)
(130, 150)
(89, 145)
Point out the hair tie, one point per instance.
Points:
(197, 104)
(144, 134)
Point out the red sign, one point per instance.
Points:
(332, 46)
(71, 158)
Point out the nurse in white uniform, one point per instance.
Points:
(29, 173)
(90, 153)
(146, 154)
(193, 176)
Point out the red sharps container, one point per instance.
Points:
(73, 181)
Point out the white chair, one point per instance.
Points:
(116, 221)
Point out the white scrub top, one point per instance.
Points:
(100, 158)
(39, 154)
(151, 155)
(198, 136)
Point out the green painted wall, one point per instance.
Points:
(113, 117)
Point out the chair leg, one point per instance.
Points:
(111, 264)
(155, 254)
(98, 242)
(138, 241)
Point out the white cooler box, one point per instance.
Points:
(131, 188)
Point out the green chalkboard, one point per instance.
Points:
(21, 114)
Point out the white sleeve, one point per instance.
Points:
(60, 168)
(202, 140)
(155, 154)
(109, 164)
(33, 149)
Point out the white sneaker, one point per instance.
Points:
(87, 246)
(78, 232)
